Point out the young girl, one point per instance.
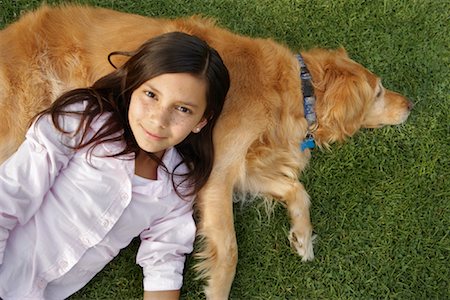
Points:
(107, 163)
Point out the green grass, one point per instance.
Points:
(380, 202)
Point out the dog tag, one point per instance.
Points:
(307, 144)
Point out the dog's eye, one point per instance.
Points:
(380, 91)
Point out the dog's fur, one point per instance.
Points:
(257, 137)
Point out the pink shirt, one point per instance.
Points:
(63, 219)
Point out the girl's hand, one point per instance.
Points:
(162, 295)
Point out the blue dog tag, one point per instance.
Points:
(307, 144)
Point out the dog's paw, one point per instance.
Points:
(302, 244)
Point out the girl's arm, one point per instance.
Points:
(163, 250)
(162, 295)
(28, 174)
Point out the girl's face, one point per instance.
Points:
(166, 109)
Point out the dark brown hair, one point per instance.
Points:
(174, 52)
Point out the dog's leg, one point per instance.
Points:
(293, 194)
(216, 228)
(300, 234)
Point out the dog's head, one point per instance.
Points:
(350, 97)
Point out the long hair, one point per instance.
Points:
(174, 52)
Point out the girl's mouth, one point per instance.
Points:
(153, 136)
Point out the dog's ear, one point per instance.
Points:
(340, 109)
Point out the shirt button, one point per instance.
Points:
(85, 241)
(63, 264)
(124, 195)
(38, 148)
(105, 223)
(41, 283)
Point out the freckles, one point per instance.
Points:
(179, 120)
(182, 123)
(175, 121)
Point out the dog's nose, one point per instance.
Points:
(410, 105)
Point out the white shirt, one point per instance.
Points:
(63, 219)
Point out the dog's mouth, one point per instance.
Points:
(396, 119)
(374, 126)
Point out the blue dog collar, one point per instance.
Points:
(309, 101)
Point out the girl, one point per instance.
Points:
(107, 163)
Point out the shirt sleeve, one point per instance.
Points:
(29, 173)
(163, 249)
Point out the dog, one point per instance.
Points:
(257, 137)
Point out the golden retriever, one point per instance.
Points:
(257, 138)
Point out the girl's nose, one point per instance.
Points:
(161, 116)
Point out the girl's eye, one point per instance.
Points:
(150, 94)
(184, 109)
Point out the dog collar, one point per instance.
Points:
(309, 101)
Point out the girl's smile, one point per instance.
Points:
(152, 136)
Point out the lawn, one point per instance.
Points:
(380, 202)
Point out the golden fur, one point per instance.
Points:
(256, 140)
